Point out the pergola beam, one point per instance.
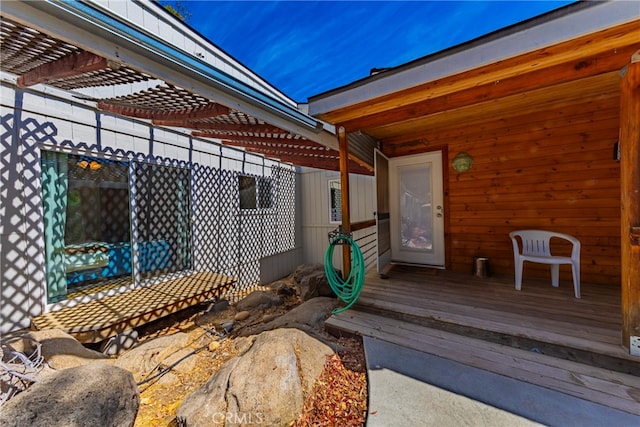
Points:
(289, 147)
(223, 128)
(68, 66)
(258, 139)
(208, 111)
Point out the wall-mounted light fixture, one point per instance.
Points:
(462, 162)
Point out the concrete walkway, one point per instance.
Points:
(411, 388)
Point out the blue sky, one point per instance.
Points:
(305, 48)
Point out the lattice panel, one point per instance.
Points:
(205, 222)
(162, 213)
(227, 212)
(285, 209)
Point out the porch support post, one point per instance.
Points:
(630, 199)
(344, 191)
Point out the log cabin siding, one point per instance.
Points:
(550, 169)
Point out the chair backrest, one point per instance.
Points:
(536, 242)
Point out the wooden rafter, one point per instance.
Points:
(292, 150)
(223, 128)
(565, 73)
(296, 158)
(259, 145)
(68, 66)
(320, 163)
(255, 139)
(355, 159)
(324, 162)
(208, 111)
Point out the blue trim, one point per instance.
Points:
(159, 48)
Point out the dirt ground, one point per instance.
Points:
(338, 398)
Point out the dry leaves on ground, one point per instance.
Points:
(339, 397)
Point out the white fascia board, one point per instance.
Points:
(128, 46)
(155, 16)
(587, 18)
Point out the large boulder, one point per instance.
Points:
(148, 358)
(266, 384)
(281, 287)
(310, 314)
(312, 282)
(89, 395)
(61, 351)
(259, 300)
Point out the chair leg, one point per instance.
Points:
(518, 266)
(576, 278)
(555, 275)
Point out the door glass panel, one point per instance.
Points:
(415, 207)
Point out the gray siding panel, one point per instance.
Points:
(224, 239)
(315, 214)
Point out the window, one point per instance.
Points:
(255, 192)
(88, 221)
(335, 202)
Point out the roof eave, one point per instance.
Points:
(562, 24)
(102, 33)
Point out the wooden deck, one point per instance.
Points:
(541, 334)
(100, 319)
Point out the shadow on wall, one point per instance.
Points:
(182, 216)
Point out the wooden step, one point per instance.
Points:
(603, 386)
(585, 345)
(100, 319)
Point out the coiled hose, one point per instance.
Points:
(348, 290)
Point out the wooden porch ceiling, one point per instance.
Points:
(39, 58)
(586, 69)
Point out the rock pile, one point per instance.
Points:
(281, 350)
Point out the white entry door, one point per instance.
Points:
(417, 213)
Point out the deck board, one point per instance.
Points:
(99, 319)
(486, 323)
(539, 312)
(613, 389)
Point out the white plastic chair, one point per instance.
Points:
(536, 248)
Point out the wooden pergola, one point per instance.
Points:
(36, 56)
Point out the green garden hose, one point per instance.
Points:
(347, 290)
